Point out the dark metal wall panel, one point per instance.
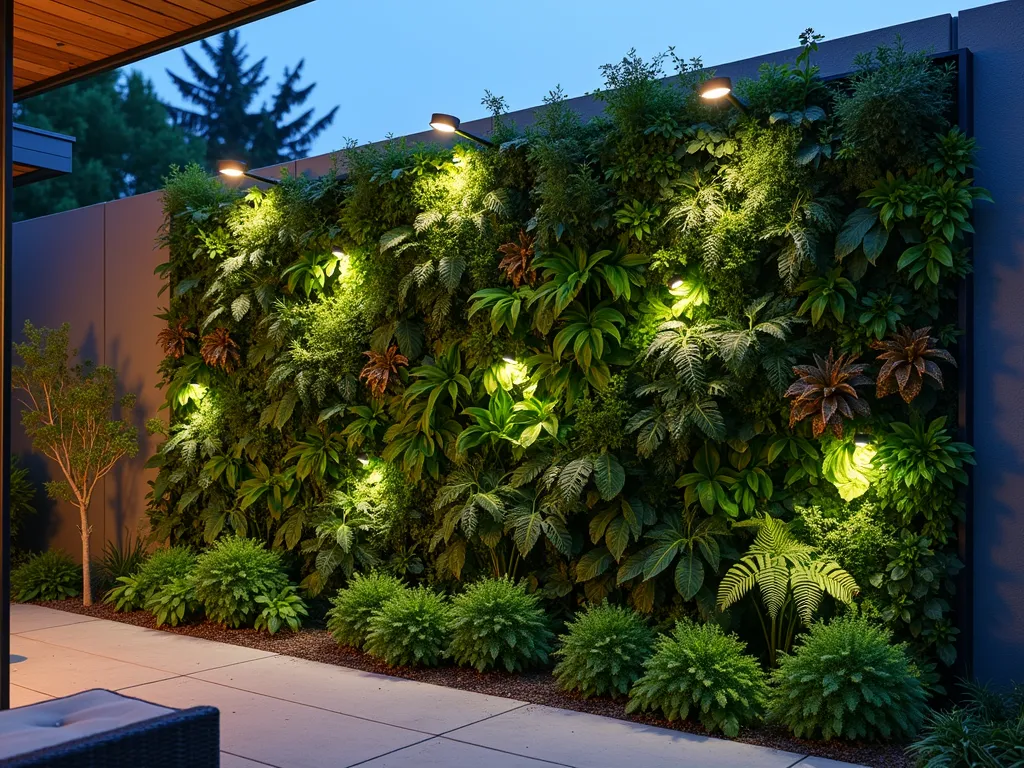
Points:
(58, 278)
(995, 36)
(131, 305)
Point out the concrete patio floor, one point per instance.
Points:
(291, 713)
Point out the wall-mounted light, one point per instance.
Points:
(236, 169)
(675, 283)
(439, 121)
(363, 459)
(721, 88)
(861, 439)
(337, 252)
(509, 359)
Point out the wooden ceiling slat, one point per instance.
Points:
(19, 169)
(88, 20)
(44, 23)
(129, 15)
(59, 41)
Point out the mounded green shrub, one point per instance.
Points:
(348, 620)
(410, 629)
(496, 623)
(174, 602)
(847, 679)
(282, 608)
(50, 575)
(230, 576)
(603, 651)
(133, 592)
(702, 671)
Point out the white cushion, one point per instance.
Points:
(26, 729)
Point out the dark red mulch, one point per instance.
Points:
(537, 687)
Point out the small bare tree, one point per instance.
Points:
(66, 412)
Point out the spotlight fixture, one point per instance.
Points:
(363, 459)
(675, 283)
(450, 124)
(721, 88)
(337, 252)
(236, 169)
(509, 359)
(861, 439)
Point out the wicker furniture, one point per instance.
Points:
(103, 729)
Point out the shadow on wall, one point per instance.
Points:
(125, 499)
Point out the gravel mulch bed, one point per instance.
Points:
(315, 644)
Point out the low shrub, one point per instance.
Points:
(282, 608)
(985, 729)
(700, 668)
(496, 623)
(603, 651)
(410, 629)
(229, 577)
(847, 679)
(174, 603)
(50, 575)
(132, 592)
(348, 620)
(119, 560)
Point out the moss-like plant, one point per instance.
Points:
(50, 575)
(603, 651)
(231, 575)
(848, 680)
(495, 623)
(411, 629)
(700, 669)
(348, 620)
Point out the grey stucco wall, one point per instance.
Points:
(93, 267)
(995, 35)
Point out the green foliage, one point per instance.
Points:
(495, 623)
(986, 728)
(847, 679)
(603, 651)
(410, 629)
(22, 495)
(163, 566)
(699, 668)
(348, 620)
(791, 579)
(119, 560)
(174, 602)
(587, 358)
(229, 577)
(50, 575)
(281, 608)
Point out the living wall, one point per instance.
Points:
(665, 358)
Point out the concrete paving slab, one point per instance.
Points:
(26, 617)
(444, 753)
(227, 760)
(396, 701)
(177, 654)
(22, 697)
(282, 733)
(60, 671)
(823, 762)
(591, 741)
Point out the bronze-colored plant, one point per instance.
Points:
(908, 357)
(173, 338)
(219, 350)
(380, 369)
(827, 391)
(518, 261)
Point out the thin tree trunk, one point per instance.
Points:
(86, 570)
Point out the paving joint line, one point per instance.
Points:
(57, 626)
(791, 765)
(513, 754)
(483, 719)
(391, 752)
(250, 759)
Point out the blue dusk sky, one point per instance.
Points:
(388, 64)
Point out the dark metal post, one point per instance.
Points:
(6, 255)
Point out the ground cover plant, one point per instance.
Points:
(686, 360)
